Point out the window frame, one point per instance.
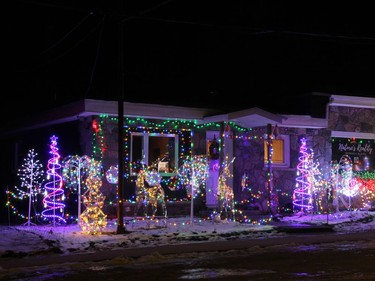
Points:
(286, 152)
(146, 146)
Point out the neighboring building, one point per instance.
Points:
(164, 136)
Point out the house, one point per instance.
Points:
(260, 149)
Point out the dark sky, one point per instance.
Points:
(225, 54)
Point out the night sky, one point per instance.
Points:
(225, 54)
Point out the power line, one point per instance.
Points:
(96, 57)
(58, 42)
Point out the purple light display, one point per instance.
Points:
(302, 199)
(54, 194)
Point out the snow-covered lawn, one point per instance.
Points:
(18, 241)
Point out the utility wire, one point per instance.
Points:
(259, 30)
(65, 52)
(141, 13)
(65, 36)
(254, 30)
(96, 58)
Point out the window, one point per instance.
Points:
(212, 145)
(159, 150)
(280, 155)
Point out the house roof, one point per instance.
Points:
(248, 118)
(303, 121)
(352, 101)
(90, 107)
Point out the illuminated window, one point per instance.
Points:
(155, 149)
(280, 151)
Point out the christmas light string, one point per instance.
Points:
(364, 186)
(143, 125)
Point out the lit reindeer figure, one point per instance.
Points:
(149, 192)
(155, 192)
(140, 193)
(225, 193)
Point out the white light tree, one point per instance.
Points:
(31, 177)
(75, 170)
(193, 174)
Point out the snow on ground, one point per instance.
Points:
(342, 222)
(19, 241)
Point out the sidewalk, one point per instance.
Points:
(303, 228)
(314, 237)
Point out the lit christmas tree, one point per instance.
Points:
(302, 199)
(93, 220)
(31, 178)
(54, 193)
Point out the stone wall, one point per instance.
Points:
(351, 119)
(249, 153)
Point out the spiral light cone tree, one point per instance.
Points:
(54, 192)
(302, 196)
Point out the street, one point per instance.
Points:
(350, 257)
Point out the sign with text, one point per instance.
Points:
(361, 152)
